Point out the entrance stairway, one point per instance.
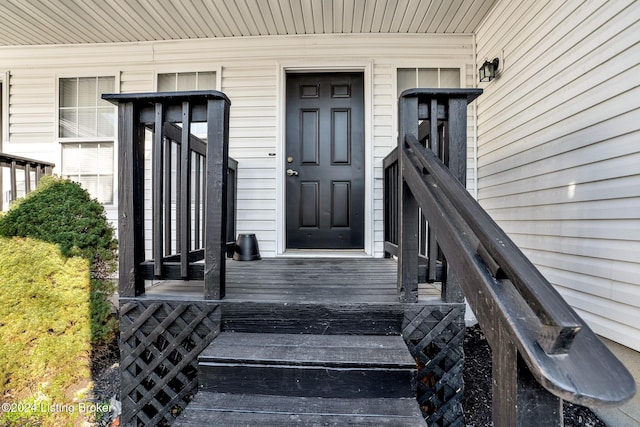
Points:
(287, 379)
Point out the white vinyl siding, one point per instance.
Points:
(249, 70)
(558, 155)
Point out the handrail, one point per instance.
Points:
(599, 379)
(560, 323)
(29, 166)
(542, 350)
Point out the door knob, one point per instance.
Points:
(291, 172)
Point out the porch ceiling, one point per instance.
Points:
(42, 22)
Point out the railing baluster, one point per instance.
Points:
(167, 183)
(197, 200)
(27, 166)
(232, 183)
(184, 194)
(157, 171)
(14, 184)
(434, 144)
(27, 178)
(178, 195)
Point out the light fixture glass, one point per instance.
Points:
(488, 70)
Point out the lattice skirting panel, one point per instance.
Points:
(434, 335)
(159, 345)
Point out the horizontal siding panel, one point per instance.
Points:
(257, 173)
(256, 141)
(136, 81)
(256, 215)
(597, 268)
(258, 163)
(615, 331)
(259, 194)
(625, 292)
(621, 313)
(255, 226)
(585, 229)
(257, 183)
(239, 132)
(605, 210)
(569, 189)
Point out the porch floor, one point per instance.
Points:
(301, 280)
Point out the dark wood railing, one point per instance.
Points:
(542, 350)
(192, 190)
(24, 175)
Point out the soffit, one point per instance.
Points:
(45, 22)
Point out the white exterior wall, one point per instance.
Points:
(250, 71)
(559, 149)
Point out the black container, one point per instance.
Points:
(247, 248)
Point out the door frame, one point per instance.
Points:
(281, 228)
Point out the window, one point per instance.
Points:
(90, 164)
(409, 78)
(86, 131)
(201, 80)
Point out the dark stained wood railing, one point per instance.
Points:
(23, 176)
(192, 190)
(542, 350)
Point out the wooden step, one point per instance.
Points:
(235, 410)
(308, 365)
(312, 318)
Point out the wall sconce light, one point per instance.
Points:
(488, 70)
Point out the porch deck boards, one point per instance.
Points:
(300, 280)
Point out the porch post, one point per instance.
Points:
(130, 200)
(409, 219)
(518, 399)
(455, 156)
(216, 198)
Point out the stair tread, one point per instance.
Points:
(309, 350)
(233, 410)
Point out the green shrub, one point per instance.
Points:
(45, 332)
(60, 211)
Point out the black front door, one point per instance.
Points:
(325, 161)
